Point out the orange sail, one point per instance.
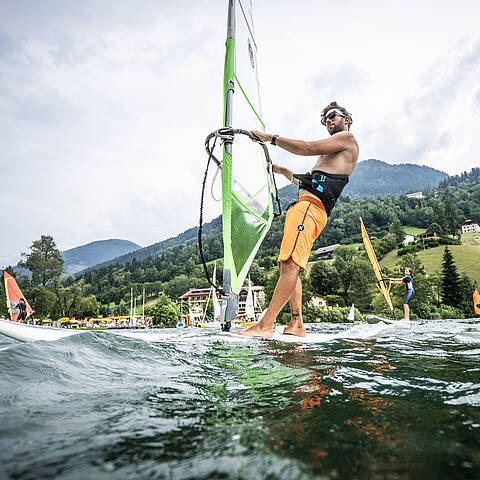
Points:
(476, 301)
(14, 294)
(381, 283)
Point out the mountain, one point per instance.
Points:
(79, 258)
(374, 177)
(185, 238)
(371, 177)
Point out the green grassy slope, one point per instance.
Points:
(466, 257)
(413, 230)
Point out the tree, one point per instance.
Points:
(435, 280)
(362, 282)
(257, 274)
(397, 230)
(450, 280)
(451, 216)
(344, 266)
(71, 299)
(334, 301)
(324, 278)
(466, 287)
(165, 312)
(435, 228)
(439, 218)
(44, 261)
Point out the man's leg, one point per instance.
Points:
(295, 327)
(406, 311)
(286, 285)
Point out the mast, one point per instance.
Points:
(249, 304)
(204, 313)
(216, 303)
(229, 306)
(131, 302)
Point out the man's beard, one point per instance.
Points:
(334, 130)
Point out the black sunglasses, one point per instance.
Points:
(331, 116)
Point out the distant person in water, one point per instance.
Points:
(22, 307)
(318, 192)
(409, 291)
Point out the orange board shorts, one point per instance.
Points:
(304, 222)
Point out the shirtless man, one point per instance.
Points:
(306, 219)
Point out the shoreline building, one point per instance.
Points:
(196, 299)
(326, 253)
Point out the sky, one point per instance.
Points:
(105, 104)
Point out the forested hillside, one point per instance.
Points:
(176, 270)
(374, 177)
(388, 179)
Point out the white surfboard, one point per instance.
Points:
(375, 319)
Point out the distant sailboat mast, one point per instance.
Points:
(216, 304)
(249, 304)
(131, 302)
(134, 319)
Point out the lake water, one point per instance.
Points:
(375, 402)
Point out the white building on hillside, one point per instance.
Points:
(469, 226)
(408, 239)
(415, 195)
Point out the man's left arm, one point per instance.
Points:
(336, 143)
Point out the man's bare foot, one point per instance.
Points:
(295, 329)
(256, 331)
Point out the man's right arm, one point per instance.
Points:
(288, 174)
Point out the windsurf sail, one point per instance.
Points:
(249, 304)
(248, 186)
(351, 313)
(14, 294)
(476, 301)
(381, 282)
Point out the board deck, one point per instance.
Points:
(31, 333)
(375, 319)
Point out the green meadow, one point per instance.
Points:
(466, 256)
(413, 230)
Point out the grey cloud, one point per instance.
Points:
(8, 46)
(443, 82)
(426, 113)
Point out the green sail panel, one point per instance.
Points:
(248, 231)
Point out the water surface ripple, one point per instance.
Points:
(370, 402)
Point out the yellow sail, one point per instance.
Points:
(381, 283)
(476, 301)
